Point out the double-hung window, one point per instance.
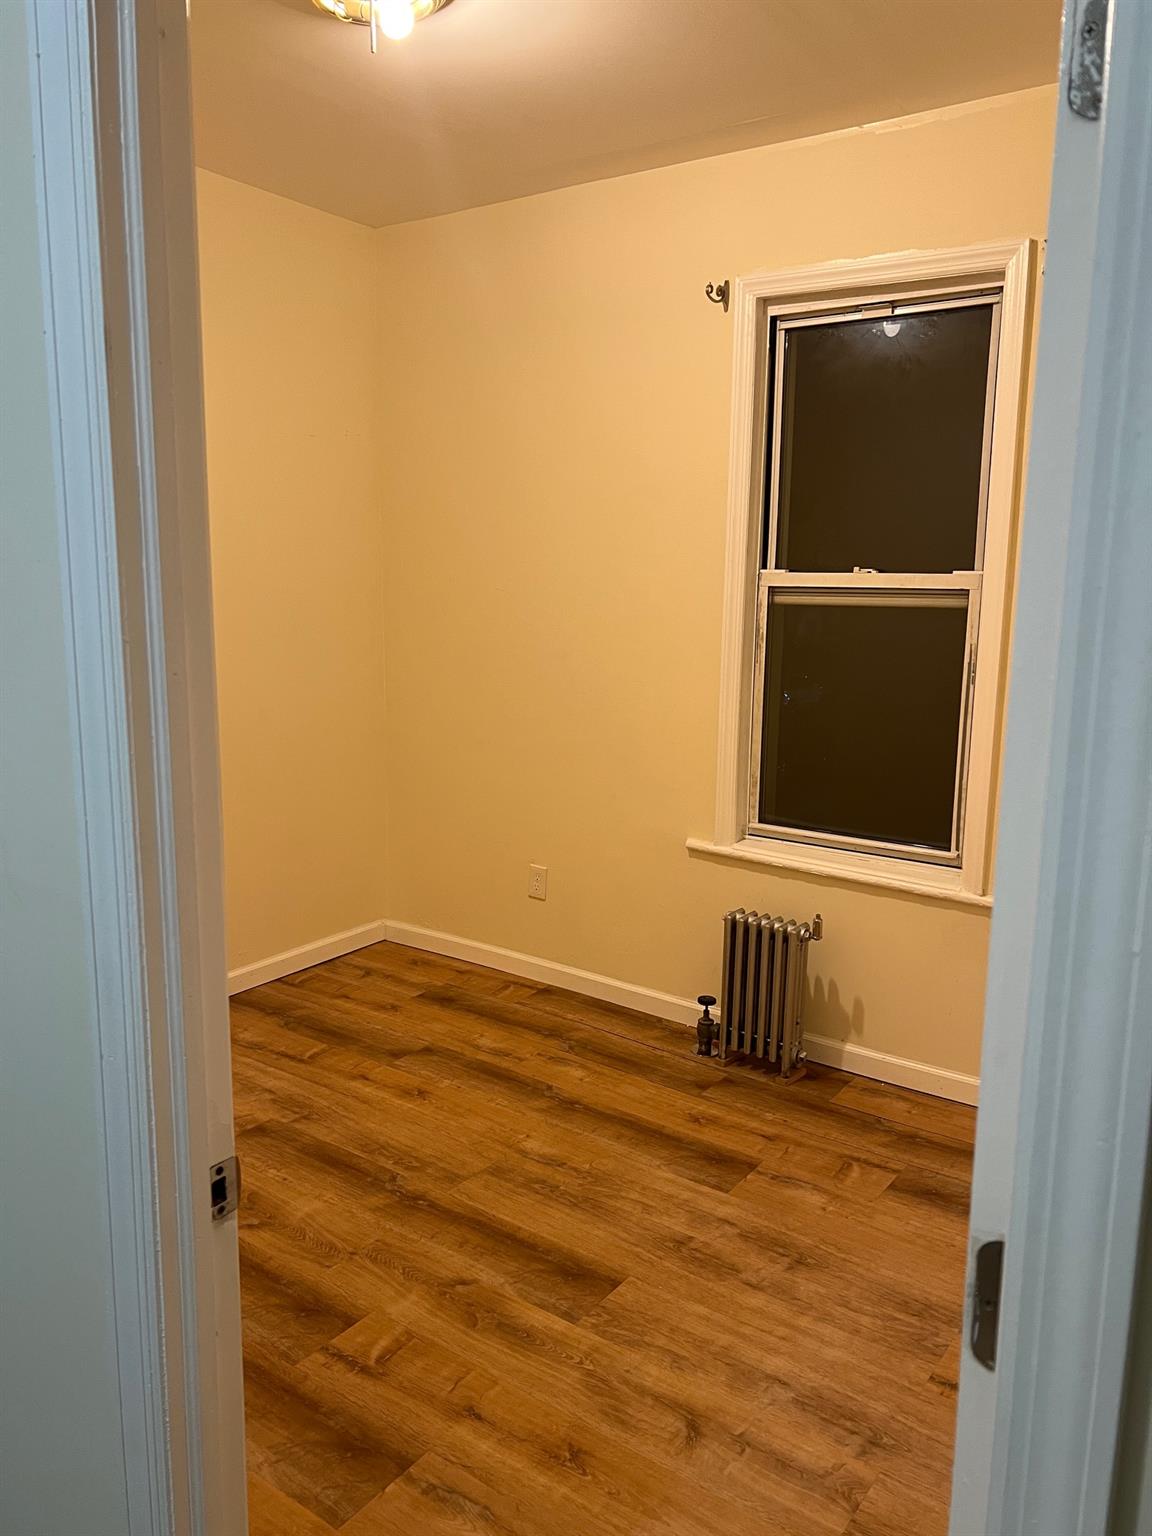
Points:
(865, 745)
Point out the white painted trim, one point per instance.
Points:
(1006, 266)
(130, 1015)
(943, 1083)
(939, 1081)
(114, 88)
(289, 961)
(1065, 1124)
(553, 973)
(846, 867)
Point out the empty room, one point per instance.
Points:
(617, 420)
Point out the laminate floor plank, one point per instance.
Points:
(335, 1104)
(867, 1134)
(558, 1276)
(894, 1418)
(802, 1248)
(288, 1318)
(497, 1023)
(325, 1158)
(636, 1126)
(567, 1040)
(329, 1459)
(349, 978)
(378, 1030)
(425, 1500)
(918, 1110)
(517, 1263)
(894, 1509)
(688, 1423)
(400, 962)
(502, 1461)
(272, 1513)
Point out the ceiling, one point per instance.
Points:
(492, 99)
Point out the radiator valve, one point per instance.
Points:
(705, 1026)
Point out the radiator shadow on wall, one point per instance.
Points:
(838, 1020)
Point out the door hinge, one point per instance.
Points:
(1087, 59)
(986, 1302)
(224, 1187)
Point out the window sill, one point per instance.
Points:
(852, 868)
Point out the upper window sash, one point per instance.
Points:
(823, 314)
(773, 411)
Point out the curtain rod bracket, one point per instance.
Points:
(719, 293)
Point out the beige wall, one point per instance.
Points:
(487, 453)
(290, 359)
(553, 422)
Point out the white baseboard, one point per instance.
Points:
(290, 960)
(551, 972)
(940, 1081)
(920, 1075)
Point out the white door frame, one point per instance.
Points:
(109, 82)
(1066, 1079)
(1064, 1126)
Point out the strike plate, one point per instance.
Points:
(986, 1302)
(224, 1187)
(1086, 67)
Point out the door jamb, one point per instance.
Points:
(116, 202)
(1066, 1076)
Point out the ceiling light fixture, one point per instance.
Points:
(395, 18)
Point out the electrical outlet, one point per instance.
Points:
(538, 882)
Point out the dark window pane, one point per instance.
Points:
(881, 442)
(862, 714)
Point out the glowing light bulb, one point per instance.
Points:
(395, 18)
(892, 327)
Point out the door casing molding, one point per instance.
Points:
(1067, 1067)
(118, 251)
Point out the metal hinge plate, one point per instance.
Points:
(1086, 65)
(224, 1187)
(986, 1302)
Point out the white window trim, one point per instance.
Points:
(1007, 267)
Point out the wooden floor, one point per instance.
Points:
(519, 1264)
